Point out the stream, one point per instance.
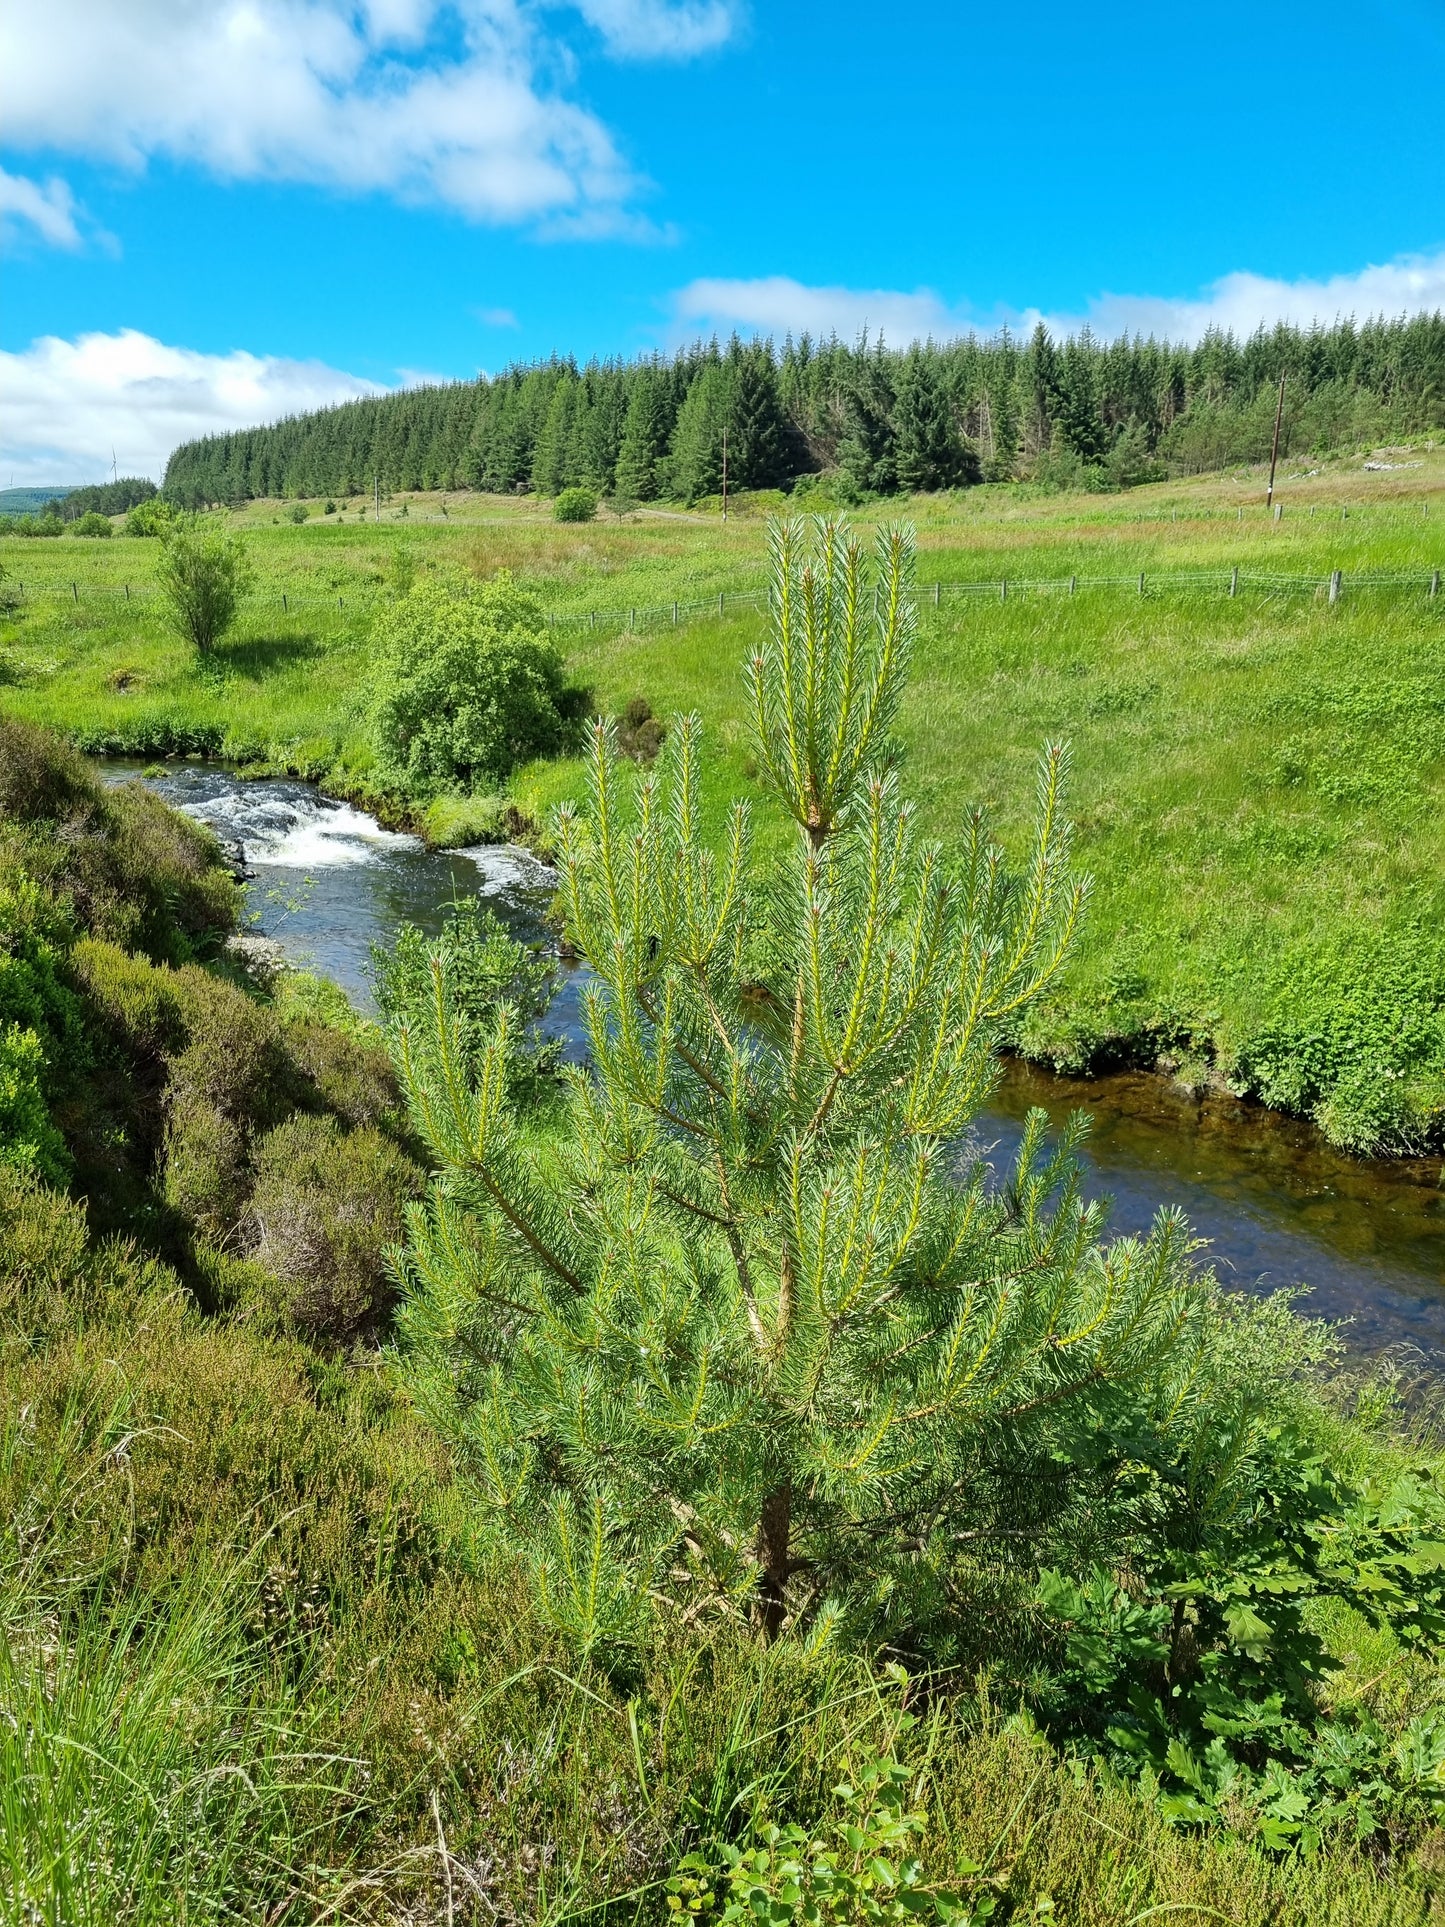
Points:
(1277, 1205)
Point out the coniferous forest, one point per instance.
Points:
(1077, 412)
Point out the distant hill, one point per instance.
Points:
(28, 501)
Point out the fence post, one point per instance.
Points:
(74, 592)
(1234, 580)
(285, 605)
(1003, 590)
(1279, 511)
(1073, 583)
(674, 615)
(127, 592)
(632, 619)
(937, 592)
(1336, 581)
(1141, 582)
(339, 603)
(720, 601)
(1435, 583)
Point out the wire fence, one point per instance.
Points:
(1230, 583)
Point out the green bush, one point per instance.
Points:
(203, 575)
(326, 1208)
(467, 685)
(92, 524)
(297, 513)
(485, 970)
(575, 505)
(150, 518)
(28, 1139)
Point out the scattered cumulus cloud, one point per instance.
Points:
(497, 317)
(776, 304)
(450, 102)
(1413, 284)
(64, 405)
(33, 211)
(661, 29)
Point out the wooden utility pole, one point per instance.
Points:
(725, 474)
(1274, 452)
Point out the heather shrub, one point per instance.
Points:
(207, 1172)
(352, 1074)
(326, 1207)
(41, 777)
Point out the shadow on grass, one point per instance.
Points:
(260, 656)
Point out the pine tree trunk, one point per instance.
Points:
(774, 1528)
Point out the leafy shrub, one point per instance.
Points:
(330, 509)
(1205, 1672)
(203, 575)
(1355, 1038)
(92, 524)
(867, 1875)
(326, 1208)
(297, 513)
(467, 685)
(575, 505)
(28, 1138)
(151, 518)
(40, 525)
(485, 970)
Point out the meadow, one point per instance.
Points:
(1256, 780)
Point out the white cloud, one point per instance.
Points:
(430, 100)
(65, 405)
(1412, 284)
(48, 212)
(775, 304)
(661, 29)
(497, 317)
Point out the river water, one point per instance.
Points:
(1278, 1207)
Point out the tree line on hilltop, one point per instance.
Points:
(1077, 412)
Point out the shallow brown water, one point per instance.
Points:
(1278, 1205)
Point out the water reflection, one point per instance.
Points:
(1278, 1206)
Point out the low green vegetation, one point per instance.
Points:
(311, 1615)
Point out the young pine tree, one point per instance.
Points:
(742, 1332)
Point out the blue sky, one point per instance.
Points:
(217, 210)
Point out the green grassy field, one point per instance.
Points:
(1257, 778)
